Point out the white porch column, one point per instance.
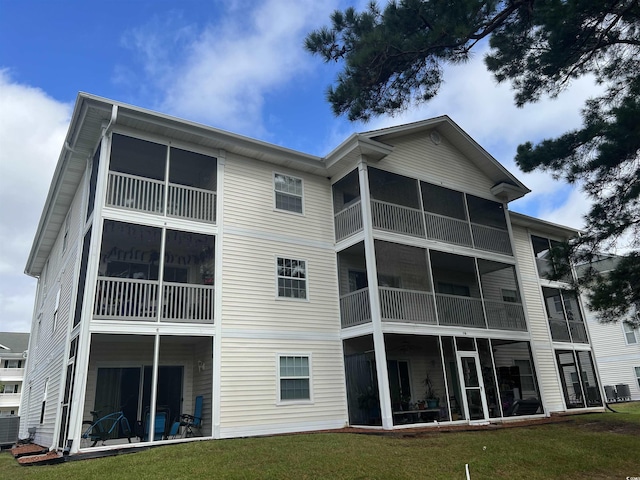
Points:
(374, 297)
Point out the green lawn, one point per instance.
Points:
(599, 446)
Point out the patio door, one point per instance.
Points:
(474, 398)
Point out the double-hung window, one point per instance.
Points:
(637, 369)
(294, 377)
(288, 193)
(292, 278)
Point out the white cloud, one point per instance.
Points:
(221, 74)
(32, 129)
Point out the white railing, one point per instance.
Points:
(193, 203)
(412, 306)
(9, 399)
(185, 302)
(355, 308)
(505, 315)
(460, 311)
(125, 299)
(396, 218)
(491, 239)
(447, 229)
(11, 373)
(559, 330)
(348, 221)
(136, 193)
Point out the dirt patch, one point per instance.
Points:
(624, 428)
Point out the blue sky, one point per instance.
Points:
(237, 65)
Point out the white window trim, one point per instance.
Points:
(306, 279)
(279, 401)
(275, 208)
(55, 311)
(627, 330)
(65, 237)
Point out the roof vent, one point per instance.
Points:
(435, 137)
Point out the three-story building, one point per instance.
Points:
(385, 284)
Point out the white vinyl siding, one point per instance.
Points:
(47, 350)
(248, 203)
(417, 156)
(249, 390)
(248, 296)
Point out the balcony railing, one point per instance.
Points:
(10, 399)
(413, 306)
(135, 193)
(11, 374)
(129, 299)
(411, 221)
(188, 303)
(348, 221)
(460, 311)
(505, 315)
(147, 195)
(491, 239)
(407, 306)
(355, 308)
(126, 299)
(396, 218)
(447, 229)
(192, 203)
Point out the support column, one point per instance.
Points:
(374, 297)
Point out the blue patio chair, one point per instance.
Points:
(191, 422)
(160, 426)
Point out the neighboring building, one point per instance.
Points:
(384, 284)
(13, 354)
(616, 347)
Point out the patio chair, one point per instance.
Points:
(528, 406)
(191, 422)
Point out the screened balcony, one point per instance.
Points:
(565, 321)
(401, 204)
(133, 284)
(468, 292)
(137, 180)
(550, 259)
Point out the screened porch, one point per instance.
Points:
(404, 205)
(140, 180)
(137, 280)
(441, 378)
(121, 376)
(466, 292)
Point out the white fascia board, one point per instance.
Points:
(543, 226)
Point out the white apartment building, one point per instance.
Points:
(386, 284)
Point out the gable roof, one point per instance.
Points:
(506, 185)
(92, 114)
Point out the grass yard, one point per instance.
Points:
(591, 446)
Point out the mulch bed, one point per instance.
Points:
(45, 459)
(28, 449)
